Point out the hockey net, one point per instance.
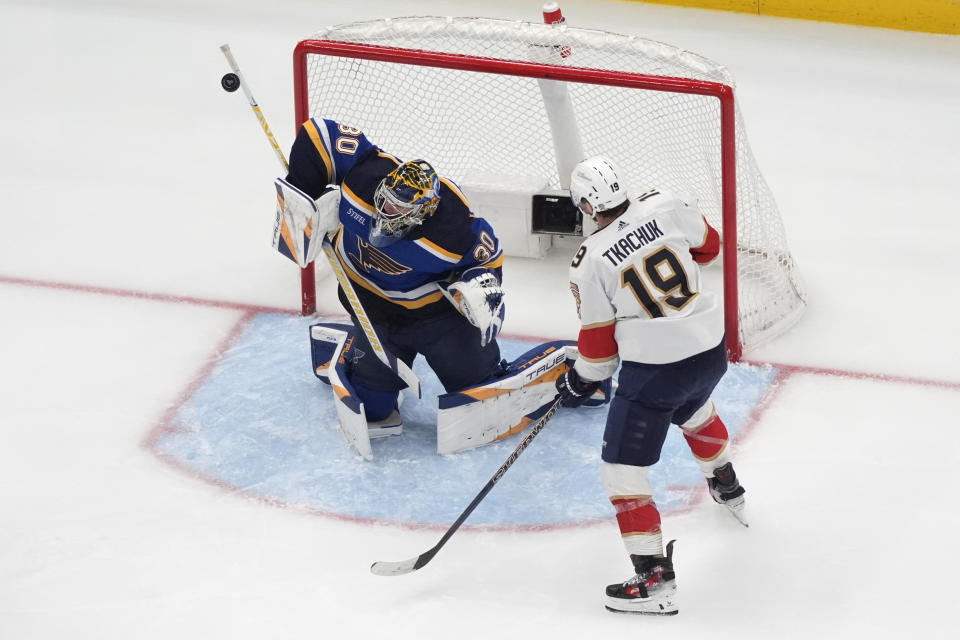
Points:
(469, 95)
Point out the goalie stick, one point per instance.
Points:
(399, 367)
(386, 568)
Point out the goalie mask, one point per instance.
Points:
(408, 194)
(595, 186)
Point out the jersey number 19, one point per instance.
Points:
(668, 277)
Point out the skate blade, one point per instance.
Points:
(671, 612)
(383, 432)
(661, 604)
(392, 425)
(738, 514)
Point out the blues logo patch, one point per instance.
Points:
(372, 258)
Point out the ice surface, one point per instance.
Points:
(263, 423)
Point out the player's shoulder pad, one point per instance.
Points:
(662, 200)
(338, 146)
(364, 177)
(453, 227)
(682, 204)
(598, 237)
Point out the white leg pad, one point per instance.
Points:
(501, 407)
(353, 420)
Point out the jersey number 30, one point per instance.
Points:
(665, 272)
(348, 145)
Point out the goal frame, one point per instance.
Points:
(415, 57)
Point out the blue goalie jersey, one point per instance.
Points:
(398, 283)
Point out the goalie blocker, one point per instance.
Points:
(497, 408)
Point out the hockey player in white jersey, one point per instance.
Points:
(637, 285)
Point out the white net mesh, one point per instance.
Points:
(493, 128)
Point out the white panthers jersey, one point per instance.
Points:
(637, 284)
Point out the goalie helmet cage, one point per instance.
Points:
(468, 94)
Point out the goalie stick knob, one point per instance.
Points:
(230, 82)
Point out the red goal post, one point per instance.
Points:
(419, 87)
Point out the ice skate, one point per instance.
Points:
(652, 591)
(725, 489)
(392, 425)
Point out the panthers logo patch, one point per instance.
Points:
(575, 290)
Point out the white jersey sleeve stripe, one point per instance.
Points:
(438, 251)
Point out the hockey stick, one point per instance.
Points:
(385, 568)
(231, 82)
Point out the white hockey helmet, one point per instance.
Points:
(595, 186)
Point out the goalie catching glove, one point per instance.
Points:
(573, 390)
(478, 296)
(302, 221)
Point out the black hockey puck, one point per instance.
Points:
(230, 82)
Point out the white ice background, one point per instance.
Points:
(135, 212)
